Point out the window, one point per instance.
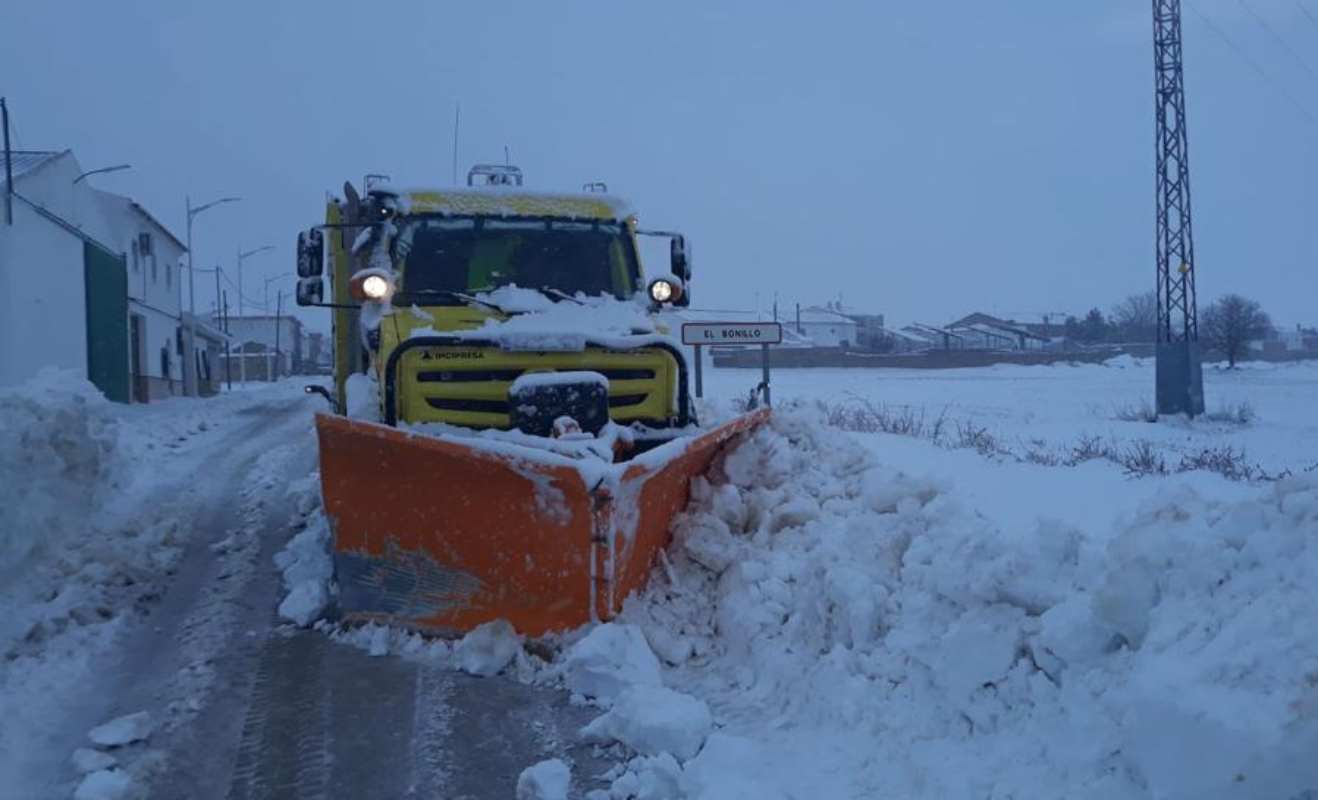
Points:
(137, 258)
(147, 250)
(164, 362)
(473, 255)
(169, 275)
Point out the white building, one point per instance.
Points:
(154, 260)
(63, 298)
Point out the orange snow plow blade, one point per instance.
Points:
(444, 535)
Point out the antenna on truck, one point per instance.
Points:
(457, 118)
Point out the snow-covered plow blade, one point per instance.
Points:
(444, 534)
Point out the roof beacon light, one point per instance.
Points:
(494, 175)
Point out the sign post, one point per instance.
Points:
(700, 372)
(700, 334)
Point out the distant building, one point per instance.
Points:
(271, 346)
(210, 355)
(986, 332)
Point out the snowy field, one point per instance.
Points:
(964, 608)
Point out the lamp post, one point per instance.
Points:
(242, 365)
(189, 344)
(115, 168)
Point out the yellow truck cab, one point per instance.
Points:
(491, 306)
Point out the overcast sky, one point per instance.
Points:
(921, 160)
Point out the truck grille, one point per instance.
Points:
(473, 391)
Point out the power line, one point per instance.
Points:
(1258, 68)
(1305, 10)
(246, 299)
(1273, 33)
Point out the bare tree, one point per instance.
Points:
(1136, 317)
(1231, 323)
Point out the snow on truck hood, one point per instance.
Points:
(541, 324)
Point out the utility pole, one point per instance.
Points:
(228, 356)
(9, 166)
(1180, 377)
(217, 294)
(279, 302)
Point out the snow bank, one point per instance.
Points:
(488, 649)
(861, 633)
(608, 660)
(58, 439)
(106, 784)
(307, 569)
(123, 730)
(652, 720)
(363, 396)
(547, 780)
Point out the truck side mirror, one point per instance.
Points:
(310, 291)
(310, 254)
(679, 257)
(680, 260)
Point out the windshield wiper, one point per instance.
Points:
(462, 297)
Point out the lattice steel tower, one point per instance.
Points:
(1180, 378)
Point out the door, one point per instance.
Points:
(137, 358)
(106, 281)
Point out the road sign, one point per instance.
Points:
(706, 333)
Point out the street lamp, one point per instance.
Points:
(115, 168)
(265, 291)
(189, 345)
(242, 364)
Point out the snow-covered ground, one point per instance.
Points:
(1055, 408)
(989, 602)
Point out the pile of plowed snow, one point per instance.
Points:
(857, 632)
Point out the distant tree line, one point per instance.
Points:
(1227, 325)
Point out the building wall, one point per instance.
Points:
(830, 333)
(42, 298)
(42, 289)
(160, 334)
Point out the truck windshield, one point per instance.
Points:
(440, 256)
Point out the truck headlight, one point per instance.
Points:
(371, 286)
(665, 290)
(375, 287)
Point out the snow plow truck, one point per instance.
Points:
(513, 431)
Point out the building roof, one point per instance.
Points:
(138, 208)
(25, 161)
(821, 316)
(204, 329)
(262, 318)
